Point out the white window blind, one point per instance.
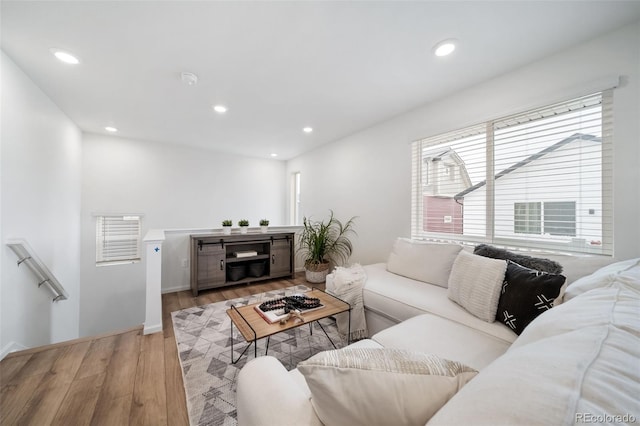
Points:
(117, 239)
(541, 179)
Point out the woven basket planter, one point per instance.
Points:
(317, 273)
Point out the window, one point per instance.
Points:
(527, 218)
(540, 179)
(559, 218)
(117, 239)
(296, 210)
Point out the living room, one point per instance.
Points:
(375, 161)
(58, 175)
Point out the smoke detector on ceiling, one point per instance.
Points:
(189, 78)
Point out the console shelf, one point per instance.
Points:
(214, 263)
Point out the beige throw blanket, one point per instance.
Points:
(348, 284)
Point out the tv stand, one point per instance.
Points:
(220, 260)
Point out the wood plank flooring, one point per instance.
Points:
(115, 379)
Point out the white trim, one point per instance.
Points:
(154, 235)
(11, 347)
(152, 329)
(283, 228)
(98, 214)
(175, 289)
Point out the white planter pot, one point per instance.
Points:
(243, 229)
(226, 230)
(264, 229)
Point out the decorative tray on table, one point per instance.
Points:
(276, 309)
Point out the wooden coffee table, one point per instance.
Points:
(253, 327)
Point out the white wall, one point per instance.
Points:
(40, 187)
(172, 187)
(368, 173)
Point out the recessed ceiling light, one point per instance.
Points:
(64, 56)
(220, 109)
(445, 47)
(273, 154)
(307, 130)
(111, 129)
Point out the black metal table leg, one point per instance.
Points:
(325, 333)
(254, 342)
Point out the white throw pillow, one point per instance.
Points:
(381, 386)
(422, 260)
(475, 283)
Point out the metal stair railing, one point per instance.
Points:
(27, 256)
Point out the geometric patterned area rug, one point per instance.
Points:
(204, 346)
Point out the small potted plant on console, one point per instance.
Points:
(244, 225)
(226, 226)
(264, 225)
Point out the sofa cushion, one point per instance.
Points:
(578, 359)
(625, 272)
(363, 386)
(525, 294)
(398, 298)
(617, 304)
(448, 339)
(537, 263)
(475, 283)
(263, 385)
(423, 261)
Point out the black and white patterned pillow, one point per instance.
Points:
(525, 294)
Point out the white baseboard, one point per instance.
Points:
(175, 289)
(155, 328)
(11, 347)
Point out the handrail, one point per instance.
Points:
(27, 256)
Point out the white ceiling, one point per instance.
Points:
(338, 67)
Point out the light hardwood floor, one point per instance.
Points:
(116, 379)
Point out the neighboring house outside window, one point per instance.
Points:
(547, 183)
(117, 239)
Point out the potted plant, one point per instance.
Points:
(322, 243)
(264, 225)
(226, 226)
(243, 224)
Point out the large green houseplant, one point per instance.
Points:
(323, 243)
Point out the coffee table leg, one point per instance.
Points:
(325, 333)
(267, 349)
(254, 343)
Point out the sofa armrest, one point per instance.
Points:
(268, 394)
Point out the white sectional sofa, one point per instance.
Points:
(578, 362)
